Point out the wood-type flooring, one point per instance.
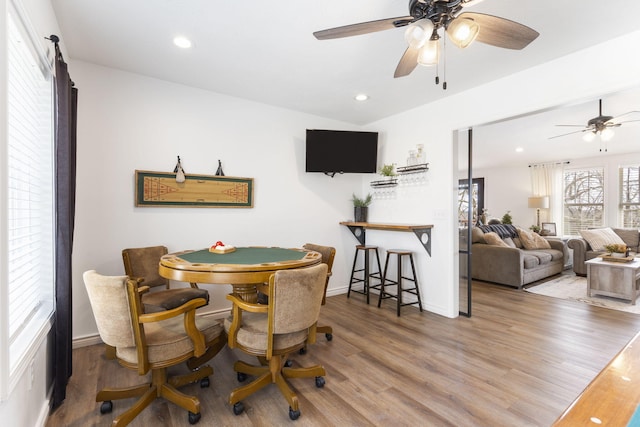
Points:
(520, 360)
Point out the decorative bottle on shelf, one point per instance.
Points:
(412, 160)
(421, 156)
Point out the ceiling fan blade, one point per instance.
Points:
(501, 32)
(627, 121)
(616, 118)
(407, 63)
(570, 133)
(575, 126)
(364, 28)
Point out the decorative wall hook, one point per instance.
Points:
(179, 172)
(219, 171)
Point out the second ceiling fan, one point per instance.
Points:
(426, 18)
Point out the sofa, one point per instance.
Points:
(512, 256)
(592, 246)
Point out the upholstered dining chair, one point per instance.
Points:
(328, 254)
(274, 330)
(141, 264)
(151, 342)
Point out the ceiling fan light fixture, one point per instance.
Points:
(418, 33)
(429, 53)
(589, 136)
(463, 31)
(606, 134)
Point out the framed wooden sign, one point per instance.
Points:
(205, 191)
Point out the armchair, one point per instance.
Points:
(141, 265)
(274, 330)
(151, 342)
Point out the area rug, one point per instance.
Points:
(575, 288)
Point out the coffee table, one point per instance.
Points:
(613, 279)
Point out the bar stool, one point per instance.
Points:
(386, 281)
(367, 275)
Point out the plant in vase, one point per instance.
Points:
(617, 250)
(535, 229)
(388, 171)
(360, 207)
(506, 218)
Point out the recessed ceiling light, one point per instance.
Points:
(182, 42)
(361, 97)
(519, 150)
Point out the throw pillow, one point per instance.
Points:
(600, 237)
(531, 240)
(477, 236)
(494, 239)
(630, 236)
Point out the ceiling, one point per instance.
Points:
(265, 51)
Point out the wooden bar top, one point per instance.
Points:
(388, 227)
(613, 396)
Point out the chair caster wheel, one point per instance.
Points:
(329, 337)
(303, 350)
(242, 377)
(320, 382)
(194, 418)
(106, 407)
(204, 383)
(294, 415)
(238, 408)
(289, 363)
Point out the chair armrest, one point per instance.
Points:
(240, 305)
(247, 306)
(188, 309)
(190, 305)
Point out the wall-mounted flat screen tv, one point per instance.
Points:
(338, 151)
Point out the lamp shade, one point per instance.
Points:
(539, 202)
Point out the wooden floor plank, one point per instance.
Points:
(520, 360)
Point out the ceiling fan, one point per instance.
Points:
(600, 125)
(426, 18)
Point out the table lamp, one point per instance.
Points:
(539, 202)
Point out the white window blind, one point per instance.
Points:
(629, 209)
(29, 263)
(583, 200)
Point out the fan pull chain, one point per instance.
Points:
(444, 63)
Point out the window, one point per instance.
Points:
(583, 200)
(27, 216)
(629, 197)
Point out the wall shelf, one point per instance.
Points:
(384, 183)
(405, 170)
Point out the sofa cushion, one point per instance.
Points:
(502, 230)
(600, 237)
(477, 235)
(536, 258)
(494, 239)
(510, 242)
(531, 240)
(630, 236)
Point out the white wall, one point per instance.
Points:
(128, 122)
(555, 83)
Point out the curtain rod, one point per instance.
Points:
(535, 165)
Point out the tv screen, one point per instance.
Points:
(338, 151)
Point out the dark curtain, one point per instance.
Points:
(65, 170)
